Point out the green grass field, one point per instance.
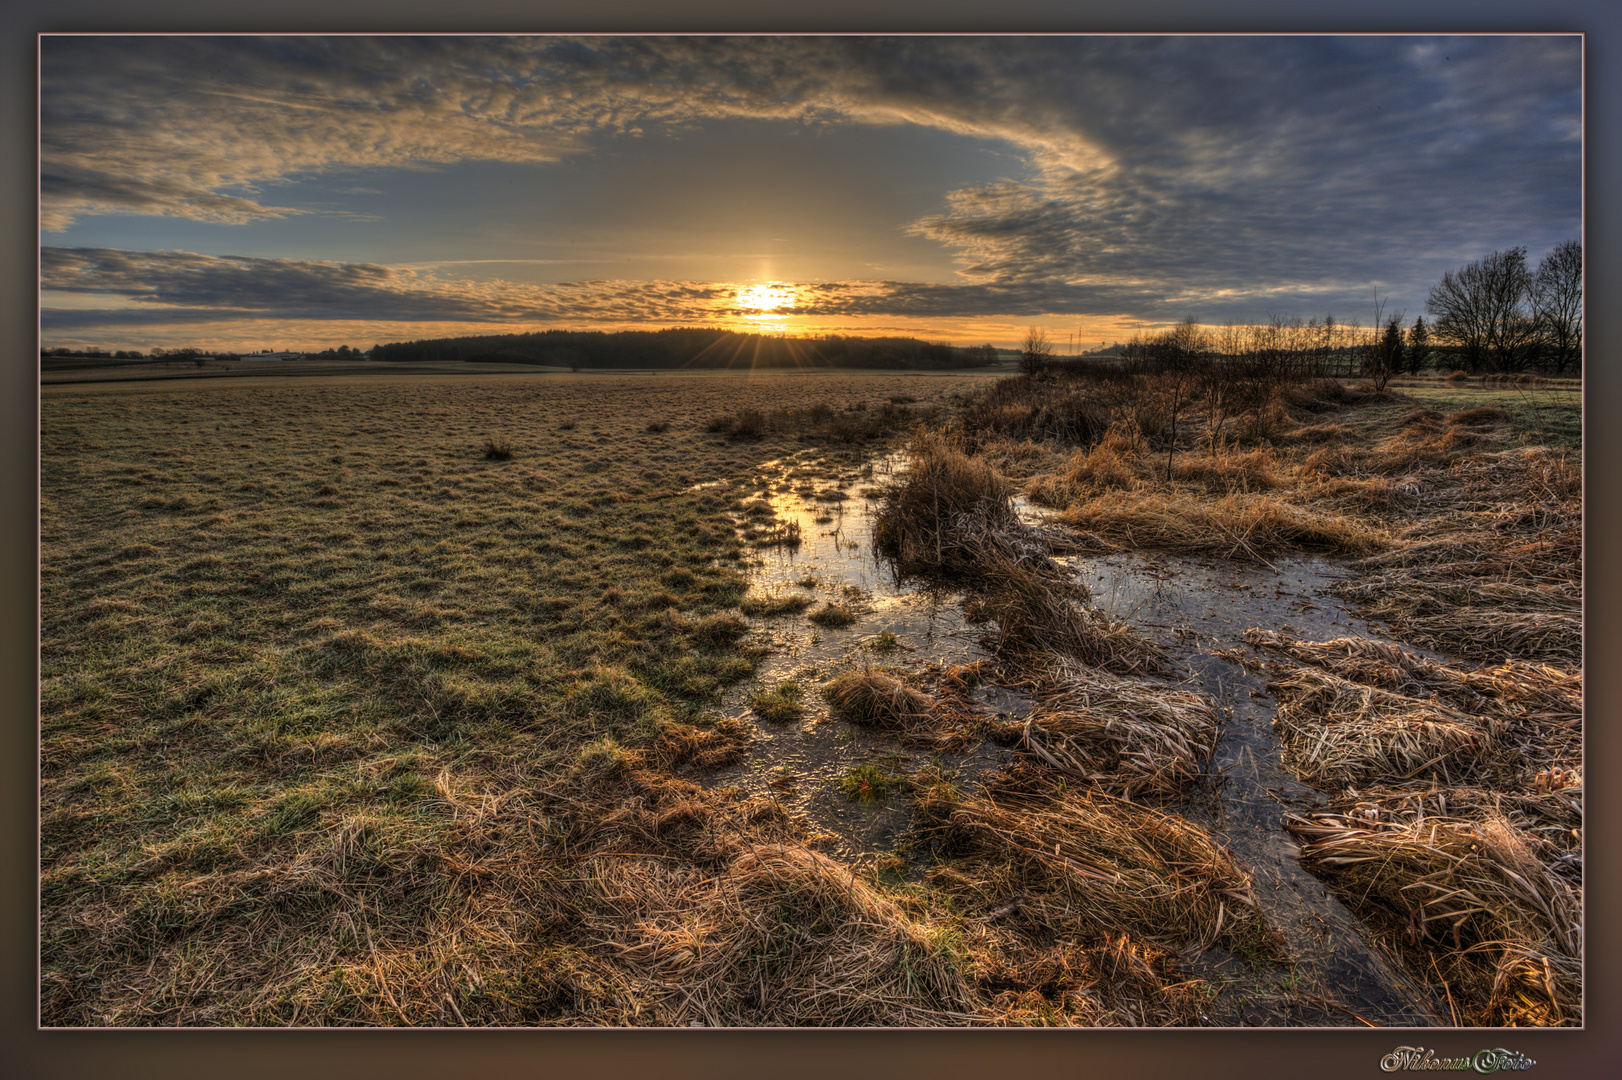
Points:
(296, 635)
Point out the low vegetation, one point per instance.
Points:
(354, 713)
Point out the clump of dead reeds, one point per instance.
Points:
(1091, 864)
(1114, 463)
(766, 605)
(834, 616)
(1041, 615)
(1493, 568)
(1337, 732)
(1536, 709)
(953, 516)
(781, 935)
(877, 700)
(919, 519)
(1127, 737)
(1238, 525)
(497, 450)
(1109, 983)
(1230, 470)
(1500, 930)
(1481, 414)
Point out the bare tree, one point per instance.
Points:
(1557, 303)
(1182, 355)
(1036, 352)
(1483, 310)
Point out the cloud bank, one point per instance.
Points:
(1166, 176)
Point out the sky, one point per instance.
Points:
(307, 192)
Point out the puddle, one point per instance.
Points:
(1193, 607)
(800, 763)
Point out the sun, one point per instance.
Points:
(765, 297)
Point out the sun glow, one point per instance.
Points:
(765, 297)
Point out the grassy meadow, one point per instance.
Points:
(384, 701)
(310, 662)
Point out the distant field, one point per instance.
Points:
(54, 372)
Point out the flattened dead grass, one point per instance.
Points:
(1127, 737)
(1089, 864)
(1237, 525)
(1501, 930)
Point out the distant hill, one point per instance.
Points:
(689, 348)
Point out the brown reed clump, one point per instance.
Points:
(1537, 709)
(1337, 732)
(945, 493)
(1039, 618)
(779, 935)
(1471, 900)
(1238, 525)
(873, 699)
(1480, 415)
(1493, 568)
(1230, 470)
(1115, 463)
(1126, 737)
(1089, 864)
(953, 515)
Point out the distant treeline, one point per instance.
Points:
(688, 348)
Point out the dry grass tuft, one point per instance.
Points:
(1038, 620)
(1481, 414)
(876, 700)
(945, 493)
(1115, 463)
(884, 702)
(1230, 470)
(779, 935)
(1337, 733)
(834, 616)
(1090, 864)
(1500, 929)
(1494, 568)
(497, 450)
(952, 515)
(1535, 709)
(1235, 526)
(1126, 737)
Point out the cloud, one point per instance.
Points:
(1160, 171)
(156, 287)
(88, 289)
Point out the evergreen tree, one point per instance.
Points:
(1419, 346)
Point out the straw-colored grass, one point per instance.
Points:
(1337, 732)
(1127, 737)
(1493, 567)
(884, 702)
(779, 935)
(834, 616)
(1091, 864)
(1238, 525)
(1499, 929)
(952, 517)
(1534, 710)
